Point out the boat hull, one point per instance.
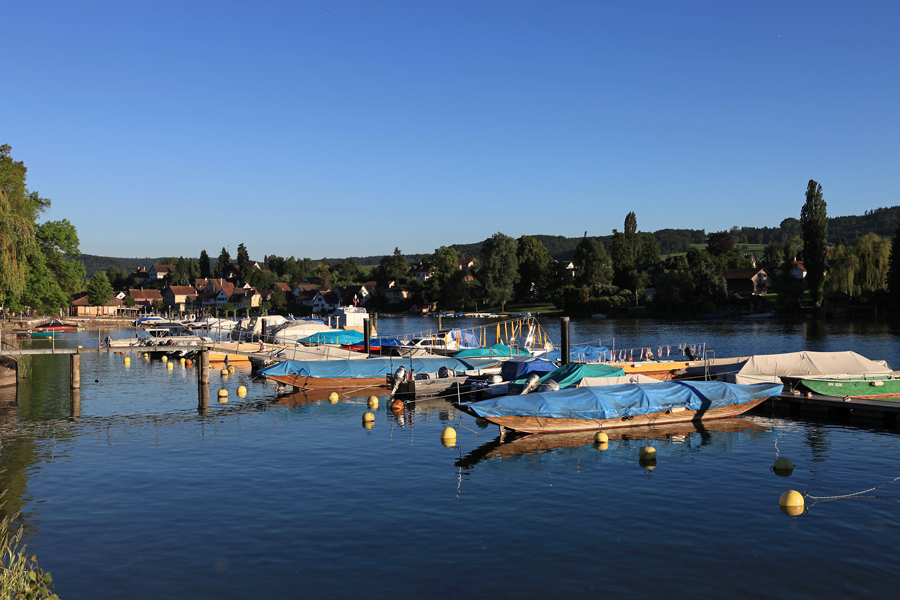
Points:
(304, 382)
(543, 425)
(879, 388)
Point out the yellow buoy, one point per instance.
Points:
(333, 397)
(223, 393)
(182, 360)
(170, 366)
(647, 452)
(648, 463)
(224, 372)
(241, 391)
(127, 360)
(223, 399)
(791, 498)
(79, 346)
(367, 416)
(164, 358)
(231, 369)
(373, 402)
(448, 434)
(601, 446)
(601, 438)
(368, 424)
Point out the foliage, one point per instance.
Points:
(593, 268)
(243, 263)
(223, 262)
(842, 266)
(873, 256)
(534, 266)
(19, 210)
(893, 277)
(346, 273)
(58, 240)
(444, 265)
(497, 268)
(99, 290)
(21, 578)
(720, 243)
(204, 265)
(814, 222)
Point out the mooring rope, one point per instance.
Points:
(827, 498)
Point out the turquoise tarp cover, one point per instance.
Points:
(495, 350)
(573, 373)
(370, 367)
(334, 337)
(617, 401)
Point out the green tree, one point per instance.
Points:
(893, 277)
(814, 223)
(498, 268)
(223, 262)
(534, 266)
(19, 210)
(99, 290)
(624, 252)
(592, 265)
(204, 264)
(244, 264)
(873, 259)
(444, 265)
(58, 240)
(720, 243)
(842, 267)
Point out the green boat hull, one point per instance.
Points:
(868, 387)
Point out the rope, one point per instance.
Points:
(827, 498)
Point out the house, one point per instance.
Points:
(140, 275)
(747, 281)
(396, 294)
(82, 307)
(356, 295)
(180, 298)
(326, 301)
(144, 298)
(467, 264)
(158, 272)
(421, 271)
(799, 270)
(245, 298)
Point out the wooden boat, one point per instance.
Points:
(629, 405)
(661, 370)
(879, 387)
(55, 325)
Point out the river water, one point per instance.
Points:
(135, 490)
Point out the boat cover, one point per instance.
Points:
(467, 338)
(769, 367)
(495, 350)
(334, 337)
(518, 368)
(582, 353)
(371, 367)
(617, 401)
(572, 373)
(617, 380)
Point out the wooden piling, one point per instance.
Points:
(203, 368)
(564, 339)
(75, 371)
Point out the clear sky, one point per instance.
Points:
(334, 128)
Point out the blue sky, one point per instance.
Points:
(330, 128)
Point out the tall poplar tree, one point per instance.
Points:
(814, 224)
(224, 261)
(498, 268)
(204, 264)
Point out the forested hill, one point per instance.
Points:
(881, 221)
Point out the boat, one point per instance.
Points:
(878, 387)
(171, 334)
(628, 405)
(56, 326)
(361, 374)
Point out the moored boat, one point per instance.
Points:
(56, 326)
(611, 407)
(878, 387)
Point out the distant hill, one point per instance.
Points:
(880, 221)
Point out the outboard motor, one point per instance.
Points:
(399, 377)
(533, 380)
(446, 372)
(689, 353)
(549, 386)
(495, 379)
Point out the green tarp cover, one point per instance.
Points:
(571, 374)
(491, 351)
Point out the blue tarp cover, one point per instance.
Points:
(495, 350)
(334, 337)
(616, 401)
(370, 367)
(519, 368)
(582, 353)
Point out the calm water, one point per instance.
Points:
(136, 491)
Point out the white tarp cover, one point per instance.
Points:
(766, 367)
(629, 378)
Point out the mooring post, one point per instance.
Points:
(203, 400)
(203, 368)
(75, 370)
(76, 403)
(564, 339)
(367, 336)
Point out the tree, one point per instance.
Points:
(204, 264)
(720, 243)
(244, 264)
(814, 223)
(444, 265)
(592, 266)
(99, 290)
(534, 266)
(893, 277)
(624, 252)
(873, 258)
(497, 268)
(223, 262)
(18, 212)
(842, 267)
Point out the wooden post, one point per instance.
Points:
(203, 400)
(564, 339)
(367, 337)
(76, 403)
(203, 369)
(75, 371)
